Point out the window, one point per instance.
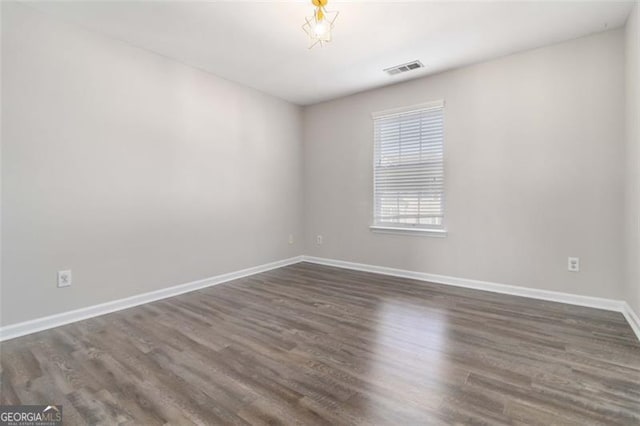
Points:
(408, 170)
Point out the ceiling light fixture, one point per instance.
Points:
(319, 26)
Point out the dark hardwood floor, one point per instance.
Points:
(309, 344)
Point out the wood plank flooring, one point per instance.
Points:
(309, 344)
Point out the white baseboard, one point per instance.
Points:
(553, 296)
(44, 323)
(632, 319)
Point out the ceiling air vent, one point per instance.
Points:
(413, 65)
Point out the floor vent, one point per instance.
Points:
(413, 65)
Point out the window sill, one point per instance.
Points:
(438, 233)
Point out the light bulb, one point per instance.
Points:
(320, 29)
(319, 26)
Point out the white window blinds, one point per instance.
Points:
(409, 168)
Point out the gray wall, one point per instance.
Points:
(534, 171)
(134, 171)
(632, 222)
(139, 173)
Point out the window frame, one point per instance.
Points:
(410, 229)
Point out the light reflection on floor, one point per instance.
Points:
(415, 337)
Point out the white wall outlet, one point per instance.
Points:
(64, 278)
(573, 264)
(290, 238)
(319, 240)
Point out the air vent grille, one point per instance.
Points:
(398, 69)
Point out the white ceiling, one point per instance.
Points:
(262, 45)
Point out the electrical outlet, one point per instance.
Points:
(319, 240)
(64, 278)
(573, 264)
(290, 238)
